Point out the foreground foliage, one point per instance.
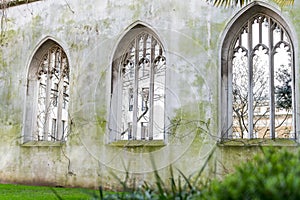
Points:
(273, 175)
(276, 175)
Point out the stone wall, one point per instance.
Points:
(89, 31)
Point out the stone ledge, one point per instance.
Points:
(43, 144)
(258, 142)
(138, 143)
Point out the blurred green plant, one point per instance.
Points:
(275, 175)
(177, 187)
(180, 188)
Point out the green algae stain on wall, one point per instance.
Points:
(106, 23)
(36, 27)
(136, 9)
(189, 119)
(7, 93)
(101, 122)
(10, 132)
(6, 37)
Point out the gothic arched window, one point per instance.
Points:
(138, 91)
(258, 77)
(47, 95)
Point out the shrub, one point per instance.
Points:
(181, 188)
(276, 175)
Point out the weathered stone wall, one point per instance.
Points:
(89, 31)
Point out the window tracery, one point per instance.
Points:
(142, 88)
(47, 100)
(260, 80)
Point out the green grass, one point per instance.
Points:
(11, 192)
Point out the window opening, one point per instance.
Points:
(53, 78)
(130, 99)
(145, 98)
(143, 66)
(261, 80)
(144, 131)
(54, 130)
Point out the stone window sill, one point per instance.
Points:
(43, 144)
(258, 142)
(138, 143)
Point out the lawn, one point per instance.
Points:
(11, 192)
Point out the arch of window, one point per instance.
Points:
(258, 77)
(47, 96)
(138, 87)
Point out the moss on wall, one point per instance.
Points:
(36, 27)
(10, 133)
(7, 90)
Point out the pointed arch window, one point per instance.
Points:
(258, 78)
(138, 92)
(47, 95)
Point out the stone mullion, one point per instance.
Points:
(58, 135)
(260, 30)
(271, 72)
(135, 90)
(250, 81)
(294, 108)
(48, 94)
(145, 45)
(151, 89)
